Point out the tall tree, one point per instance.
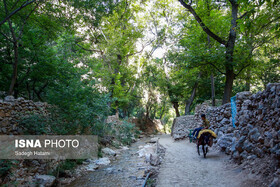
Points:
(229, 44)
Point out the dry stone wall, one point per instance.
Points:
(181, 126)
(256, 138)
(11, 110)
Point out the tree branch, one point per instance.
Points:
(10, 24)
(245, 66)
(91, 50)
(267, 24)
(204, 27)
(15, 4)
(15, 11)
(216, 67)
(21, 30)
(6, 36)
(245, 14)
(143, 47)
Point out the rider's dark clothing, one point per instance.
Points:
(196, 131)
(205, 124)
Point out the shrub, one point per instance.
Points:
(5, 167)
(69, 164)
(126, 132)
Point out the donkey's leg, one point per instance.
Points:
(198, 149)
(204, 152)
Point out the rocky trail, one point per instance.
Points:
(182, 166)
(126, 169)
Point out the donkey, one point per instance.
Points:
(206, 139)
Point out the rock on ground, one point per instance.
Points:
(45, 180)
(103, 161)
(154, 140)
(109, 151)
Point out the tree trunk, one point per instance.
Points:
(16, 90)
(229, 44)
(212, 76)
(213, 89)
(15, 69)
(147, 113)
(176, 107)
(229, 54)
(190, 100)
(28, 91)
(228, 87)
(248, 84)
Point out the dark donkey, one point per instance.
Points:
(205, 139)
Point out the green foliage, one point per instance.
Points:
(34, 124)
(90, 59)
(151, 182)
(126, 132)
(100, 154)
(5, 168)
(69, 164)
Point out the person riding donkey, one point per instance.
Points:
(205, 125)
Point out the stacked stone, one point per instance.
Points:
(258, 123)
(220, 118)
(257, 133)
(11, 110)
(201, 109)
(181, 126)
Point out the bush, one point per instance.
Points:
(37, 124)
(127, 132)
(69, 164)
(5, 167)
(34, 124)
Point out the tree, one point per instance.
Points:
(229, 43)
(51, 16)
(9, 15)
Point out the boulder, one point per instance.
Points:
(147, 150)
(275, 182)
(235, 155)
(108, 151)
(244, 155)
(275, 149)
(249, 147)
(103, 161)
(154, 159)
(45, 180)
(154, 140)
(259, 152)
(240, 144)
(9, 98)
(91, 167)
(226, 141)
(254, 135)
(261, 140)
(243, 95)
(225, 121)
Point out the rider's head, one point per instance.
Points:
(203, 117)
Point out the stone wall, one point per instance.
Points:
(255, 142)
(181, 126)
(11, 110)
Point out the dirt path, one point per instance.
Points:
(183, 167)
